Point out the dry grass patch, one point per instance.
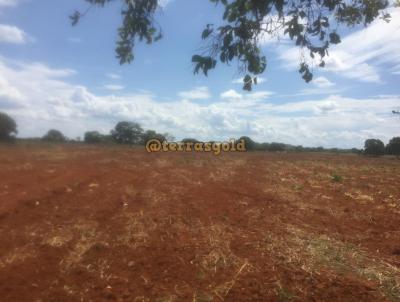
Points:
(18, 255)
(89, 236)
(137, 228)
(59, 237)
(360, 197)
(216, 239)
(312, 253)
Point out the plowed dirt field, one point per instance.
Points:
(82, 223)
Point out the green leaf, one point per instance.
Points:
(75, 17)
(207, 32)
(334, 38)
(197, 58)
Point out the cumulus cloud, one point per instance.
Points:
(327, 106)
(198, 93)
(233, 95)
(363, 55)
(40, 97)
(322, 82)
(10, 96)
(12, 34)
(230, 94)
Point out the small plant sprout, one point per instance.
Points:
(336, 178)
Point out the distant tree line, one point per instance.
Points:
(281, 147)
(128, 133)
(131, 133)
(373, 147)
(376, 147)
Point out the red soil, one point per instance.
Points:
(82, 223)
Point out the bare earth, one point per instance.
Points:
(81, 223)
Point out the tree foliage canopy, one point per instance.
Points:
(312, 25)
(249, 143)
(127, 133)
(93, 137)
(151, 134)
(374, 147)
(393, 147)
(8, 127)
(54, 135)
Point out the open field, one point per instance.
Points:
(81, 223)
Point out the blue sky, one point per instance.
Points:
(53, 75)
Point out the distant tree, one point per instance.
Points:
(108, 139)
(276, 147)
(54, 135)
(249, 143)
(151, 134)
(393, 147)
(127, 133)
(169, 137)
(264, 146)
(395, 112)
(298, 148)
(355, 151)
(93, 137)
(8, 127)
(190, 140)
(374, 147)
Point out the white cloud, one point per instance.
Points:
(231, 94)
(327, 106)
(12, 34)
(240, 80)
(40, 98)
(8, 3)
(396, 70)
(42, 71)
(259, 95)
(273, 33)
(164, 3)
(320, 86)
(9, 94)
(322, 82)
(113, 76)
(363, 55)
(113, 87)
(198, 93)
